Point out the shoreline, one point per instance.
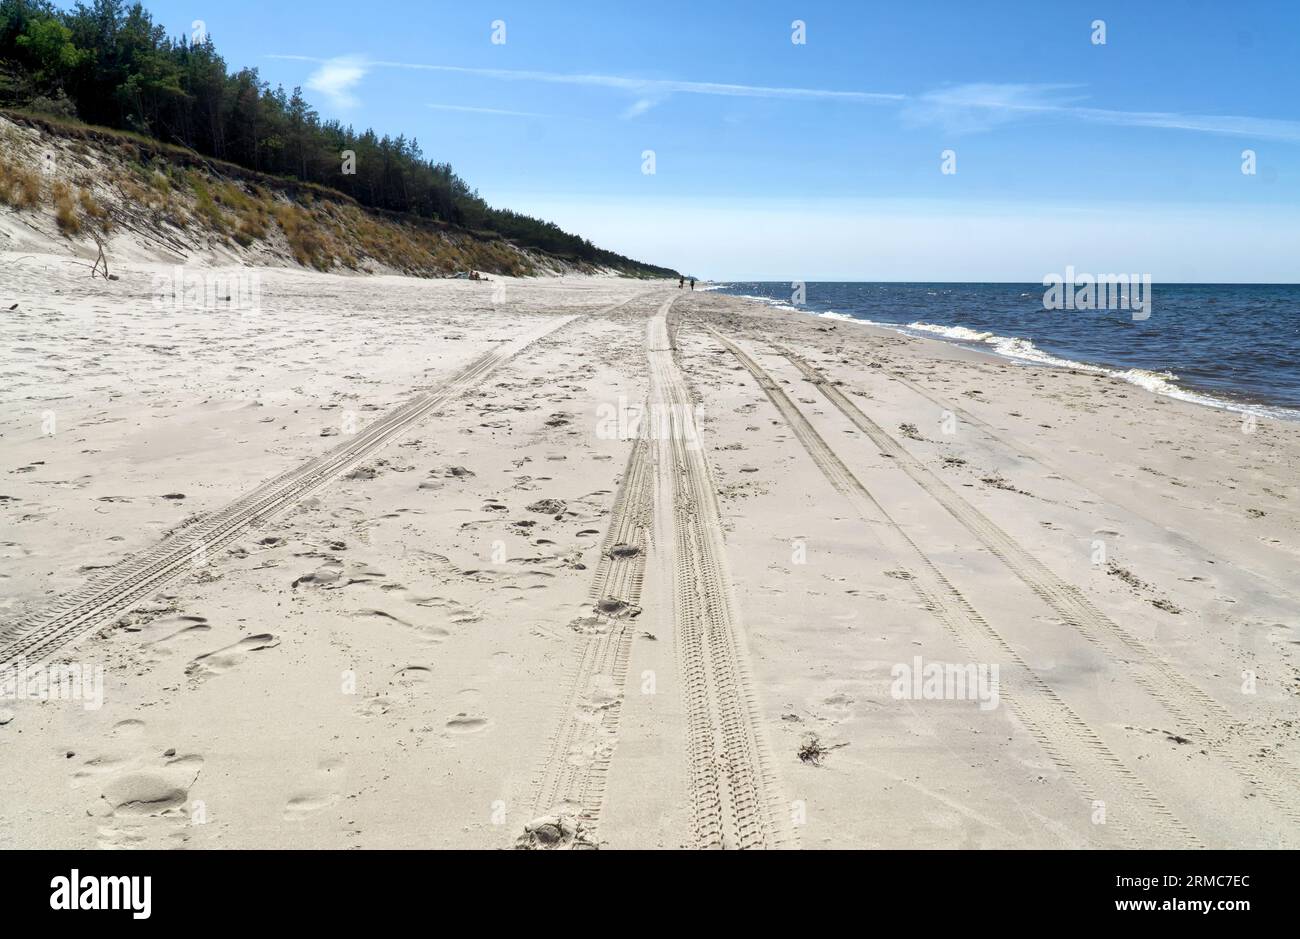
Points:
(1026, 351)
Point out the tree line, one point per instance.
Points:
(108, 63)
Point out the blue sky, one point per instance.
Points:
(823, 161)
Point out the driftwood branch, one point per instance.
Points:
(102, 259)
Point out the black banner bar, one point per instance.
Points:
(336, 888)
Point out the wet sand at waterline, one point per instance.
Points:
(595, 562)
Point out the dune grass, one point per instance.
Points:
(163, 187)
(19, 187)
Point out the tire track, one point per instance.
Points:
(40, 635)
(1032, 455)
(1071, 743)
(1224, 735)
(730, 781)
(573, 774)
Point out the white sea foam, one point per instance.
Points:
(1161, 383)
(1024, 350)
(1012, 347)
(775, 304)
(951, 332)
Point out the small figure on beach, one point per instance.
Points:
(681, 282)
(692, 283)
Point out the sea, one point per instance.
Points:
(1233, 346)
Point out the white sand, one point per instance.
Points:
(409, 653)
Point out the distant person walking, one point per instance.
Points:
(692, 283)
(681, 282)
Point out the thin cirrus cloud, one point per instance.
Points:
(651, 89)
(967, 108)
(648, 90)
(639, 107)
(466, 109)
(981, 107)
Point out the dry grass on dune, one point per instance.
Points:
(65, 210)
(106, 181)
(19, 188)
(25, 190)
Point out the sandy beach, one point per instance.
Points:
(594, 562)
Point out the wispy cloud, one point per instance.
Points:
(335, 79)
(639, 107)
(646, 87)
(1264, 128)
(465, 109)
(980, 107)
(957, 109)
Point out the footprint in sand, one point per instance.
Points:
(142, 800)
(463, 723)
(325, 575)
(304, 804)
(427, 631)
(469, 720)
(223, 660)
(376, 706)
(404, 688)
(130, 729)
(840, 706)
(153, 792)
(162, 633)
(414, 673)
(333, 575)
(320, 791)
(457, 613)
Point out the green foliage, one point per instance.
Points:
(48, 43)
(121, 70)
(58, 106)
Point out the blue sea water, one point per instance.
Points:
(1223, 345)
